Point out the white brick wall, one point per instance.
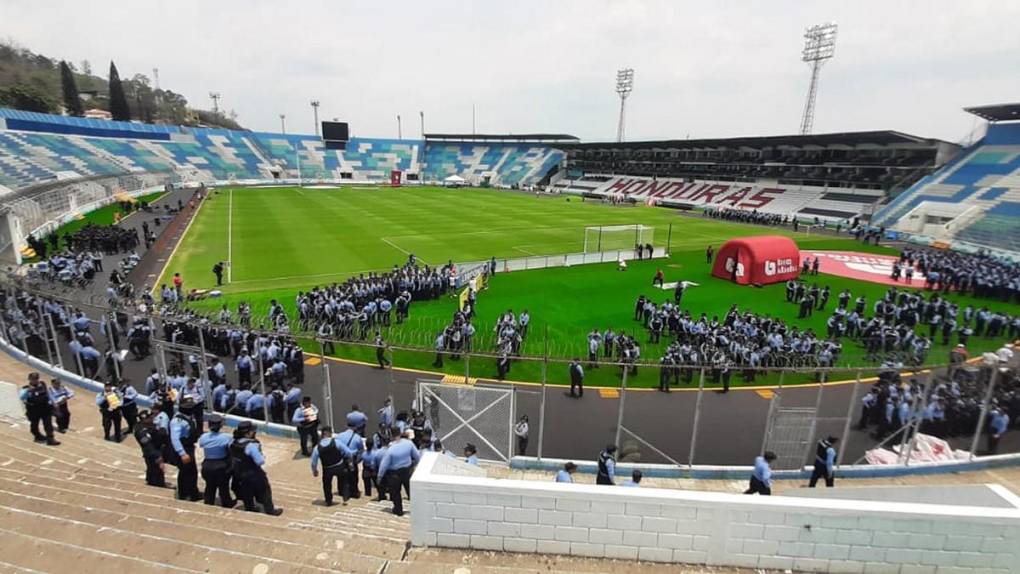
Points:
(460, 508)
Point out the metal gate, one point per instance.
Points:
(462, 414)
(789, 435)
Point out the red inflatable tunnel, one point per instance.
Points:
(764, 259)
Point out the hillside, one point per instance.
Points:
(31, 82)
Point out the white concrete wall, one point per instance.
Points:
(451, 509)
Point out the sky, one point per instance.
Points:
(703, 69)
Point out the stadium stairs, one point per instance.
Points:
(85, 503)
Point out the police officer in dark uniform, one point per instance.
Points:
(183, 435)
(250, 482)
(152, 442)
(216, 463)
(333, 462)
(825, 461)
(38, 408)
(607, 466)
(576, 378)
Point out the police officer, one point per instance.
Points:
(152, 441)
(129, 409)
(352, 446)
(38, 408)
(109, 401)
(576, 378)
(306, 419)
(607, 466)
(825, 461)
(216, 463)
(183, 434)
(395, 469)
(59, 395)
(761, 476)
(333, 462)
(250, 480)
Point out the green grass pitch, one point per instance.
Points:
(282, 240)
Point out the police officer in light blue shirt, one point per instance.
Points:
(635, 479)
(254, 406)
(352, 446)
(183, 435)
(216, 464)
(761, 476)
(471, 454)
(357, 420)
(997, 427)
(395, 470)
(565, 473)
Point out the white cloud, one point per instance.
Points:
(703, 69)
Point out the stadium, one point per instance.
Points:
(768, 299)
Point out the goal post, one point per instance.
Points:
(602, 238)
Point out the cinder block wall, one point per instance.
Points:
(456, 506)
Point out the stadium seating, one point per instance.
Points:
(985, 176)
(37, 148)
(804, 202)
(502, 164)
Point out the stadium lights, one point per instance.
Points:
(315, 110)
(215, 97)
(422, 114)
(624, 86)
(819, 46)
(283, 123)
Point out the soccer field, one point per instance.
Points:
(289, 238)
(281, 240)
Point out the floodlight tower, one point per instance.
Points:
(315, 111)
(819, 46)
(283, 123)
(624, 85)
(215, 96)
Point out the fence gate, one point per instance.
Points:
(789, 435)
(462, 414)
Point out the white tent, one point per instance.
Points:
(455, 181)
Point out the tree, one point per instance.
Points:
(118, 100)
(26, 97)
(72, 102)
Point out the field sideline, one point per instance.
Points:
(285, 239)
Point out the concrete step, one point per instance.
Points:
(249, 544)
(35, 554)
(110, 493)
(122, 542)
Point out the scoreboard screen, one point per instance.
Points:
(335, 131)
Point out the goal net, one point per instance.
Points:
(613, 237)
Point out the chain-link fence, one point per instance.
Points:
(679, 415)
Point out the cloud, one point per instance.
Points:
(703, 69)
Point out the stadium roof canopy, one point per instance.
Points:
(503, 137)
(844, 139)
(996, 112)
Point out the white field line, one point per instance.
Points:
(400, 249)
(230, 236)
(525, 251)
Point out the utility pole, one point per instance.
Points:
(400, 134)
(422, 115)
(283, 123)
(215, 97)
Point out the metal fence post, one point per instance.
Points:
(541, 408)
(203, 375)
(262, 388)
(849, 418)
(697, 415)
(467, 367)
(984, 411)
(917, 415)
(623, 397)
(46, 330)
(777, 397)
(113, 348)
(327, 385)
(814, 420)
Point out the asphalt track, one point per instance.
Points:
(730, 426)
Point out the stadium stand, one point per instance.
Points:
(39, 148)
(864, 160)
(499, 161)
(806, 202)
(972, 199)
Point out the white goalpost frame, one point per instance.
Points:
(600, 238)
